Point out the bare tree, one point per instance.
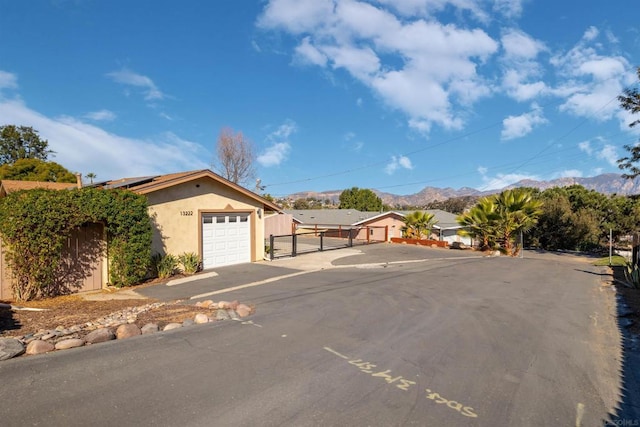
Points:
(236, 157)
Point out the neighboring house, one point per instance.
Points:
(373, 223)
(201, 212)
(83, 258)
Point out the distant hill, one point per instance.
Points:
(609, 183)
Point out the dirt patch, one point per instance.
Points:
(73, 310)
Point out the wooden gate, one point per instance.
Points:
(81, 265)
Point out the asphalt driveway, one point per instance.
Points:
(424, 337)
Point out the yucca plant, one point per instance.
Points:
(167, 266)
(190, 262)
(632, 275)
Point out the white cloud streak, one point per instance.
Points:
(522, 125)
(131, 78)
(101, 116)
(397, 163)
(280, 147)
(83, 147)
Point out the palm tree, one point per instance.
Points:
(499, 218)
(479, 222)
(517, 211)
(90, 175)
(418, 224)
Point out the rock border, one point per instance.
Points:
(115, 326)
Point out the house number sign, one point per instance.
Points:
(186, 213)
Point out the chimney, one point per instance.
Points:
(79, 179)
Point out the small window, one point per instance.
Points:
(244, 218)
(207, 220)
(371, 232)
(233, 219)
(220, 219)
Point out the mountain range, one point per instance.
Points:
(609, 183)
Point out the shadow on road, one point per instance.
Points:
(627, 411)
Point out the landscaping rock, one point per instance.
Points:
(204, 304)
(223, 305)
(47, 336)
(171, 326)
(39, 347)
(232, 314)
(188, 322)
(201, 318)
(100, 335)
(150, 328)
(233, 305)
(127, 330)
(69, 343)
(10, 347)
(222, 315)
(243, 310)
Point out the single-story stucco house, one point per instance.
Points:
(195, 211)
(373, 223)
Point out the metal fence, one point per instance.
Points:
(291, 245)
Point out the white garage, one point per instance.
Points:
(199, 212)
(226, 239)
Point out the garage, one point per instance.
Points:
(226, 239)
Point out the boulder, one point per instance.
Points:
(127, 330)
(10, 347)
(39, 347)
(149, 328)
(222, 315)
(69, 343)
(100, 335)
(201, 318)
(243, 310)
(171, 326)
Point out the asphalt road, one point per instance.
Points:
(438, 341)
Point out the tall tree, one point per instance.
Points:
(21, 142)
(361, 199)
(91, 176)
(236, 157)
(630, 101)
(36, 170)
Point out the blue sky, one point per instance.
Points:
(392, 95)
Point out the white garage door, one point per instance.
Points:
(226, 239)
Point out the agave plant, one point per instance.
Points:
(190, 262)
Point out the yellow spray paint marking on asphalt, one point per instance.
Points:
(403, 383)
(579, 414)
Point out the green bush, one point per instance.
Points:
(35, 225)
(167, 266)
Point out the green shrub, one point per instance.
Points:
(167, 266)
(190, 262)
(35, 225)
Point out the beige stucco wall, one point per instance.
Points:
(176, 212)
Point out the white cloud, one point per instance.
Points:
(590, 80)
(427, 8)
(420, 67)
(501, 181)
(275, 154)
(521, 69)
(519, 126)
(396, 163)
(306, 53)
(106, 154)
(130, 78)
(586, 147)
(509, 8)
(101, 116)
(608, 154)
(280, 147)
(590, 34)
(8, 80)
(570, 173)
